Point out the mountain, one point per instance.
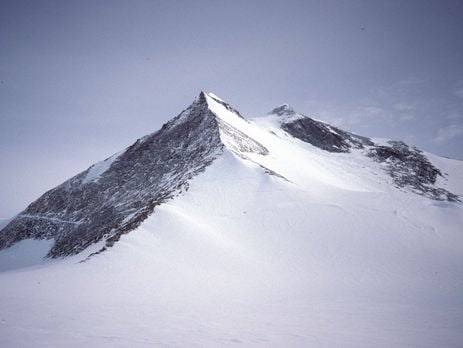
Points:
(113, 197)
(217, 230)
(409, 167)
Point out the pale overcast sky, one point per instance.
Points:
(80, 80)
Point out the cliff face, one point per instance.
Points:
(113, 197)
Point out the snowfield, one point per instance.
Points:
(322, 252)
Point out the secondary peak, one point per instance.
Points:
(283, 110)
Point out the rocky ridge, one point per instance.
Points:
(115, 196)
(408, 166)
(93, 206)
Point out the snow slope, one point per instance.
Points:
(323, 252)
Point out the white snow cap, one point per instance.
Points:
(214, 96)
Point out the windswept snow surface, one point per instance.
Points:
(289, 157)
(244, 257)
(324, 253)
(28, 252)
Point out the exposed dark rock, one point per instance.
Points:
(317, 133)
(408, 167)
(283, 110)
(79, 213)
(115, 196)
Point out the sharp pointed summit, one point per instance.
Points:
(262, 223)
(115, 196)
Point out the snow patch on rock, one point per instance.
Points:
(96, 170)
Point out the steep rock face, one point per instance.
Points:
(317, 133)
(95, 205)
(114, 196)
(408, 167)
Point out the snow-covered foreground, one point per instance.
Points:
(245, 258)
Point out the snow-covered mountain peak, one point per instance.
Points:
(114, 196)
(234, 130)
(274, 232)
